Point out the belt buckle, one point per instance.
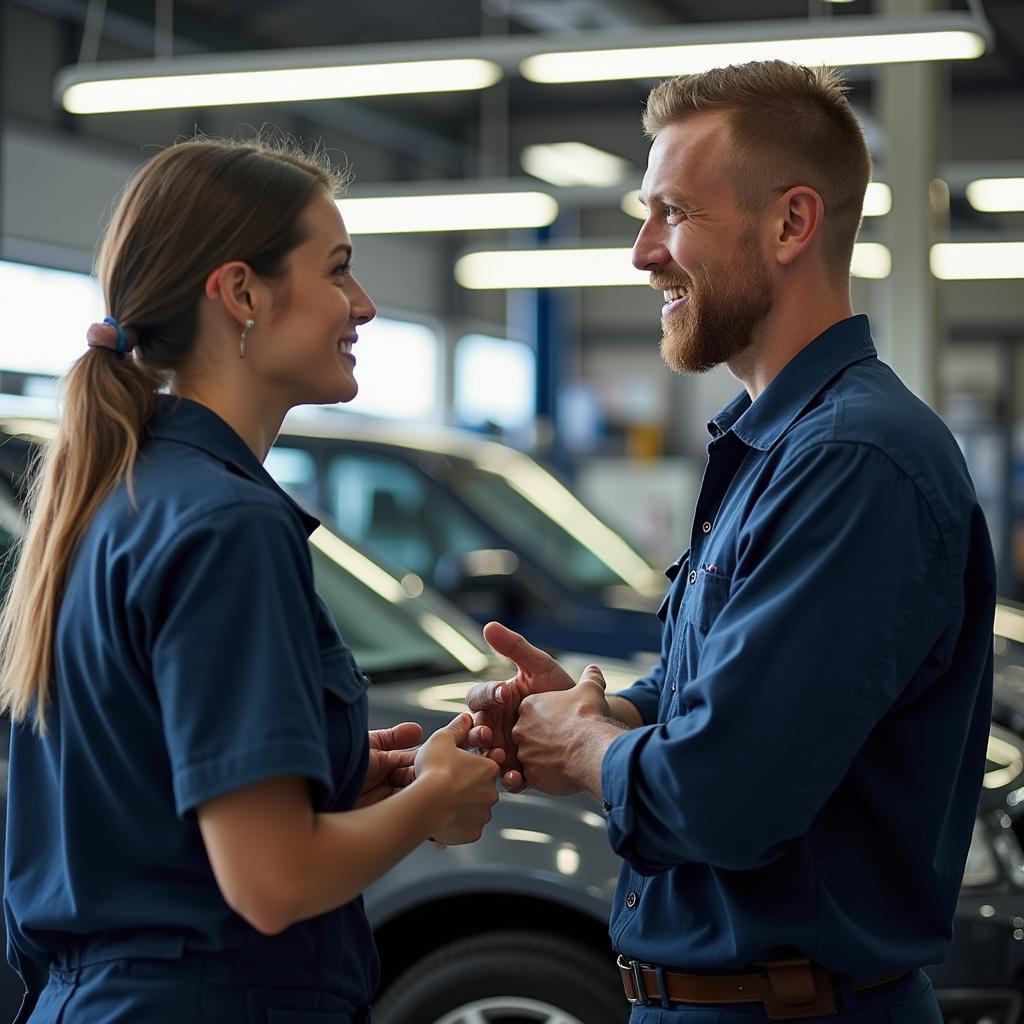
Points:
(634, 968)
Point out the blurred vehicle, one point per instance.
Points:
(513, 929)
(482, 523)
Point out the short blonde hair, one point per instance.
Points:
(791, 125)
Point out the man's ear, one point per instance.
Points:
(799, 221)
(232, 283)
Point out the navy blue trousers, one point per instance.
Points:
(162, 992)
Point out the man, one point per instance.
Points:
(793, 788)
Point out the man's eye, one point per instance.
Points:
(673, 211)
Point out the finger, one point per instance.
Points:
(406, 734)
(402, 777)
(495, 754)
(481, 736)
(592, 674)
(489, 696)
(517, 648)
(513, 782)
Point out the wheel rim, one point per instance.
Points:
(508, 1010)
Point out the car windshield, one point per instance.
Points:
(386, 637)
(528, 528)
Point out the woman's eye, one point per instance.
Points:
(342, 270)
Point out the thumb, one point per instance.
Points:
(592, 674)
(459, 727)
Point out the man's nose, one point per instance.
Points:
(649, 253)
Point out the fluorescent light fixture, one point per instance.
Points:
(471, 211)
(169, 88)
(548, 268)
(844, 42)
(977, 261)
(877, 202)
(877, 199)
(996, 195)
(631, 204)
(587, 268)
(573, 163)
(871, 260)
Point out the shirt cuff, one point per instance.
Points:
(617, 786)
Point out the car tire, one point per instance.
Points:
(518, 977)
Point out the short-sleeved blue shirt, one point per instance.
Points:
(193, 656)
(809, 773)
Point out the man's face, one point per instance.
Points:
(700, 248)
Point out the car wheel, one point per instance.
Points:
(506, 978)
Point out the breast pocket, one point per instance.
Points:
(710, 595)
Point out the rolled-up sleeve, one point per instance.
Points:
(840, 600)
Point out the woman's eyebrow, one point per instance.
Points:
(340, 247)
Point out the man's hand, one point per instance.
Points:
(495, 706)
(391, 762)
(562, 736)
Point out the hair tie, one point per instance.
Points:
(110, 334)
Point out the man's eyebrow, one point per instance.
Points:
(669, 196)
(340, 247)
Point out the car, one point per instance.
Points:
(513, 928)
(483, 524)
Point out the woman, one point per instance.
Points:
(195, 804)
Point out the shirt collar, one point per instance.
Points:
(760, 424)
(187, 422)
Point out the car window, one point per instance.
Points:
(529, 530)
(294, 469)
(385, 638)
(399, 514)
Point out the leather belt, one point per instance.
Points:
(791, 989)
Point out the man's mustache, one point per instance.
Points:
(664, 282)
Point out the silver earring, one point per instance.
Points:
(249, 325)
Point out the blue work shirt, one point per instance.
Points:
(192, 657)
(818, 721)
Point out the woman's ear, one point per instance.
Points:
(232, 283)
(800, 221)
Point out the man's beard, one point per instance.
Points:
(717, 320)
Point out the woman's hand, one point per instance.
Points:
(391, 762)
(465, 782)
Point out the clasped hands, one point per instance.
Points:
(541, 725)
(533, 725)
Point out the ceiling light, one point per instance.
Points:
(996, 195)
(877, 202)
(977, 261)
(877, 199)
(573, 163)
(584, 268)
(871, 260)
(845, 42)
(473, 211)
(631, 204)
(548, 268)
(157, 85)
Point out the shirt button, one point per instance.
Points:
(605, 806)
(693, 577)
(706, 527)
(631, 900)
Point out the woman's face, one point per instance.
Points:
(305, 352)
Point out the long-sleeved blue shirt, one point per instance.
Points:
(815, 732)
